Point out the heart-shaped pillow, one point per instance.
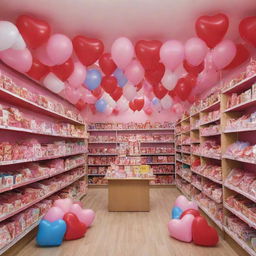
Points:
(184, 203)
(86, 216)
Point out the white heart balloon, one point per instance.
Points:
(8, 35)
(53, 83)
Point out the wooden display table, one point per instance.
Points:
(128, 195)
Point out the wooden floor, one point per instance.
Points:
(129, 234)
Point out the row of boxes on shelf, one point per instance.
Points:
(102, 150)
(208, 147)
(211, 129)
(31, 171)
(129, 137)
(15, 200)
(12, 117)
(14, 226)
(247, 121)
(157, 150)
(242, 230)
(43, 101)
(31, 148)
(131, 125)
(211, 116)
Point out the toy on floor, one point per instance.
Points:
(188, 225)
(65, 220)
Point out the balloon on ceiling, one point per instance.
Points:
(142, 76)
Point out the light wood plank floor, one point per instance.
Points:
(129, 234)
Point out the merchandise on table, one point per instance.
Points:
(43, 101)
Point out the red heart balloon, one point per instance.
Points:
(194, 212)
(75, 228)
(184, 86)
(35, 32)
(64, 70)
(109, 84)
(203, 234)
(38, 70)
(107, 64)
(154, 76)
(212, 29)
(242, 54)
(193, 69)
(97, 92)
(88, 50)
(139, 103)
(80, 105)
(247, 30)
(117, 93)
(172, 93)
(132, 106)
(160, 91)
(147, 53)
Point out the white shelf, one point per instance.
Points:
(199, 188)
(98, 164)
(157, 142)
(240, 130)
(214, 106)
(240, 216)
(210, 134)
(213, 157)
(182, 161)
(242, 243)
(159, 154)
(102, 154)
(239, 159)
(241, 106)
(210, 121)
(189, 181)
(127, 130)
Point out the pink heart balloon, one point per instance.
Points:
(64, 204)
(181, 229)
(184, 204)
(86, 216)
(54, 213)
(79, 203)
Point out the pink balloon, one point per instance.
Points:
(42, 56)
(134, 72)
(177, 108)
(86, 216)
(79, 203)
(223, 54)
(181, 229)
(20, 60)
(72, 95)
(172, 54)
(208, 61)
(64, 204)
(184, 204)
(129, 91)
(122, 52)
(78, 75)
(108, 110)
(53, 214)
(122, 104)
(148, 111)
(59, 48)
(87, 96)
(53, 83)
(195, 51)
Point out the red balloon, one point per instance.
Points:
(148, 111)
(212, 29)
(147, 53)
(193, 69)
(115, 112)
(194, 212)
(184, 86)
(139, 103)
(247, 30)
(35, 32)
(37, 70)
(172, 93)
(75, 228)
(64, 70)
(242, 54)
(154, 76)
(132, 106)
(202, 233)
(88, 50)
(97, 92)
(80, 105)
(160, 91)
(106, 63)
(109, 84)
(117, 93)
(93, 108)
(139, 85)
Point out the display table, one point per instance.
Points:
(128, 195)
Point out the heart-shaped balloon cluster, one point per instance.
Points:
(188, 225)
(65, 220)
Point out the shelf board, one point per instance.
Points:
(189, 181)
(102, 154)
(195, 142)
(210, 134)
(213, 157)
(199, 188)
(157, 142)
(241, 86)
(90, 174)
(4, 217)
(243, 244)
(214, 106)
(37, 159)
(127, 130)
(98, 164)
(240, 216)
(182, 161)
(159, 154)
(241, 106)
(210, 121)
(22, 102)
(240, 130)
(218, 202)
(185, 152)
(239, 191)
(239, 159)
(103, 142)
(165, 173)
(208, 177)
(194, 129)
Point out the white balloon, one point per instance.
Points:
(8, 35)
(19, 44)
(122, 104)
(129, 91)
(108, 110)
(166, 102)
(53, 83)
(109, 100)
(169, 79)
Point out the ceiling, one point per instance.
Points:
(136, 19)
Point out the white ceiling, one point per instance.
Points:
(136, 19)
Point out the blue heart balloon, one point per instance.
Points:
(176, 212)
(51, 233)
